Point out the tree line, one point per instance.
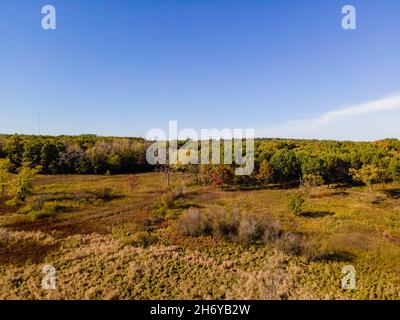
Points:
(312, 163)
(308, 162)
(85, 154)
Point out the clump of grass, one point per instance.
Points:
(105, 194)
(37, 209)
(248, 230)
(49, 210)
(142, 239)
(127, 230)
(42, 214)
(244, 229)
(172, 203)
(289, 243)
(3, 235)
(192, 223)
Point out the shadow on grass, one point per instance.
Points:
(63, 228)
(336, 256)
(316, 214)
(392, 193)
(79, 196)
(260, 187)
(24, 252)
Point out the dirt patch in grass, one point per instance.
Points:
(25, 252)
(62, 228)
(316, 214)
(5, 209)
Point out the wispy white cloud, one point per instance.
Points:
(370, 120)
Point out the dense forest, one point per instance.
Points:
(276, 160)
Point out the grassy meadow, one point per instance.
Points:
(135, 237)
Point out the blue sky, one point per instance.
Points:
(124, 67)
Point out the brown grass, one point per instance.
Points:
(101, 248)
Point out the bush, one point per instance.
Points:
(42, 214)
(271, 229)
(37, 209)
(127, 230)
(172, 199)
(142, 239)
(33, 204)
(222, 175)
(225, 224)
(232, 226)
(21, 187)
(289, 243)
(312, 180)
(295, 203)
(105, 194)
(248, 230)
(193, 223)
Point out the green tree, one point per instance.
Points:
(335, 168)
(265, 172)
(21, 186)
(285, 165)
(222, 175)
(5, 176)
(32, 152)
(310, 181)
(394, 169)
(50, 155)
(368, 174)
(13, 148)
(311, 165)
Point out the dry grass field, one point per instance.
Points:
(110, 240)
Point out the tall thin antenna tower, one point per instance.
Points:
(39, 123)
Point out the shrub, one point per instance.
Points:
(172, 199)
(42, 214)
(142, 239)
(222, 175)
(368, 174)
(225, 223)
(193, 223)
(271, 229)
(312, 180)
(127, 230)
(34, 204)
(289, 243)
(132, 183)
(105, 194)
(231, 226)
(265, 172)
(37, 209)
(314, 249)
(21, 186)
(3, 235)
(248, 230)
(295, 203)
(205, 172)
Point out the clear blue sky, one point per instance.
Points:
(124, 67)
